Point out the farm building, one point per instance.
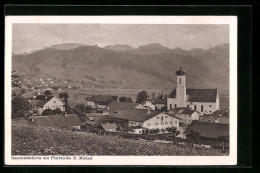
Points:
(109, 127)
(146, 119)
(100, 101)
(61, 121)
(211, 131)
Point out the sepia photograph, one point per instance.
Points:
(121, 90)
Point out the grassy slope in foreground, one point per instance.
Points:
(28, 140)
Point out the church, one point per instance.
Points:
(205, 101)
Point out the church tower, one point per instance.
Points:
(181, 88)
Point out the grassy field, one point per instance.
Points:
(28, 140)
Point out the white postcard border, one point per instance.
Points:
(127, 160)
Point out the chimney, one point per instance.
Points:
(153, 96)
(216, 120)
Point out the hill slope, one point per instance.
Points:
(28, 140)
(150, 66)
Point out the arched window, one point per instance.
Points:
(195, 107)
(201, 108)
(180, 81)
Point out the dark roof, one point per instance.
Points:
(62, 121)
(160, 101)
(40, 100)
(101, 98)
(182, 110)
(198, 95)
(220, 112)
(212, 118)
(136, 115)
(116, 106)
(100, 117)
(42, 121)
(209, 130)
(109, 126)
(56, 120)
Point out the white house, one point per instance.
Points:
(205, 101)
(147, 119)
(41, 102)
(185, 114)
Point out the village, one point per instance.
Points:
(185, 116)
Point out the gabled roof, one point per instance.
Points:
(41, 100)
(209, 130)
(57, 120)
(62, 121)
(220, 112)
(101, 98)
(212, 118)
(109, 126)
(198, 95)
(182, 110)
(116, 106)
(136, 115)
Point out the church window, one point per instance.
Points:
(201, 108)
(180, 81)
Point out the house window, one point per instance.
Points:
(195, 107)
(175, 105)
(209, 111)
(166, 123)
(175, 122)
(54, 101)
(209, 105)
(162, 123)
(161, 118)
(180, 81)
(166, 117)
(156, 124)
(148, 124)
(170, 122)
(201, 108)
(188, 106)
(157, 117)
(170, 106)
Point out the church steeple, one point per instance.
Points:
(180, 72)
(181, 87)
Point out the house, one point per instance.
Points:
(185, 114)
(161, 103)
(210, 131)
(201, 100)
(219, 116)
(109, 127)
(146, 119)
(42, 102)
(100, 101)
(115, 106)
(61, 121)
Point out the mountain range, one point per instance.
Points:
(148, 66)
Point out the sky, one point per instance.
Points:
(29, 37)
